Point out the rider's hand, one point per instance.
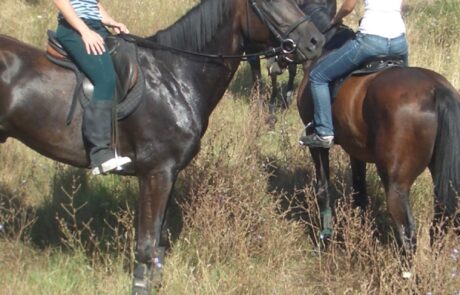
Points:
(119, 28)
(94, 43)
(335, 21)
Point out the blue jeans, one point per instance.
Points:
(339, 63)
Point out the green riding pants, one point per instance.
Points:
(98, 68)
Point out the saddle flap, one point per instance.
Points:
(123, 56)
(125, 63)
(130, 83)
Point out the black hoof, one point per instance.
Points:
(141, 284)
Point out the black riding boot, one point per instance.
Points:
(97, 132)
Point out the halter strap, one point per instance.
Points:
(279, 35)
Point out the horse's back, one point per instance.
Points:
(5, 39)
(8, 43)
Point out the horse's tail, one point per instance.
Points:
(445, 165)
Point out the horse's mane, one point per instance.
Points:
(195, 29)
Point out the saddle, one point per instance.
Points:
(129, 78)
(372, 65)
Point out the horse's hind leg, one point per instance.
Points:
(403, 149)
(401, 213)
(358, 171)
(398, 174)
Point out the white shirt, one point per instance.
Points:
(382, 18)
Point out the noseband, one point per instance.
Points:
(288, 45)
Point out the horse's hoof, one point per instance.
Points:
(325, 238)
(271, 121)
(141, 284)
(140, 291)
(140, 288)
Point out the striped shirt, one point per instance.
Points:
(85, 9)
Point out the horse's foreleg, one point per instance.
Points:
(272, 101)
(321, 159)
(292, 69)
(155, 189)
(358, 171)
(256, 73)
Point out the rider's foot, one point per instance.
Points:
(110, 165)
(316, 141)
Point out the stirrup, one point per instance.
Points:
(115, 163)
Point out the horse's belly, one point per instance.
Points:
(355, 142)
(363, 154)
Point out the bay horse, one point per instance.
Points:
(402, 119)
(182, 89)
(321, 12)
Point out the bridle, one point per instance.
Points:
(287, 45)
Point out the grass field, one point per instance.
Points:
(244, 216)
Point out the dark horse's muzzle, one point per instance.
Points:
(307, 47)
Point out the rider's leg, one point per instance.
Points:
(97, 117)
(336, 64)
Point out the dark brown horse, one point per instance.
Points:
(321, 13)
(403, 119)
(163, 134)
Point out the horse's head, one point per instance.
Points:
(282, 23)
(321, 13)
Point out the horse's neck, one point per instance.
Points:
(206, 29)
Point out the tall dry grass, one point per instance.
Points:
(244, 219)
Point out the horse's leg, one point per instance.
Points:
(397, 192)
(155, 189)
(399, 208)
(321, 159)
(274, 94)
(256, 74)
(398, 170)
(358, 171)
(292, 70)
